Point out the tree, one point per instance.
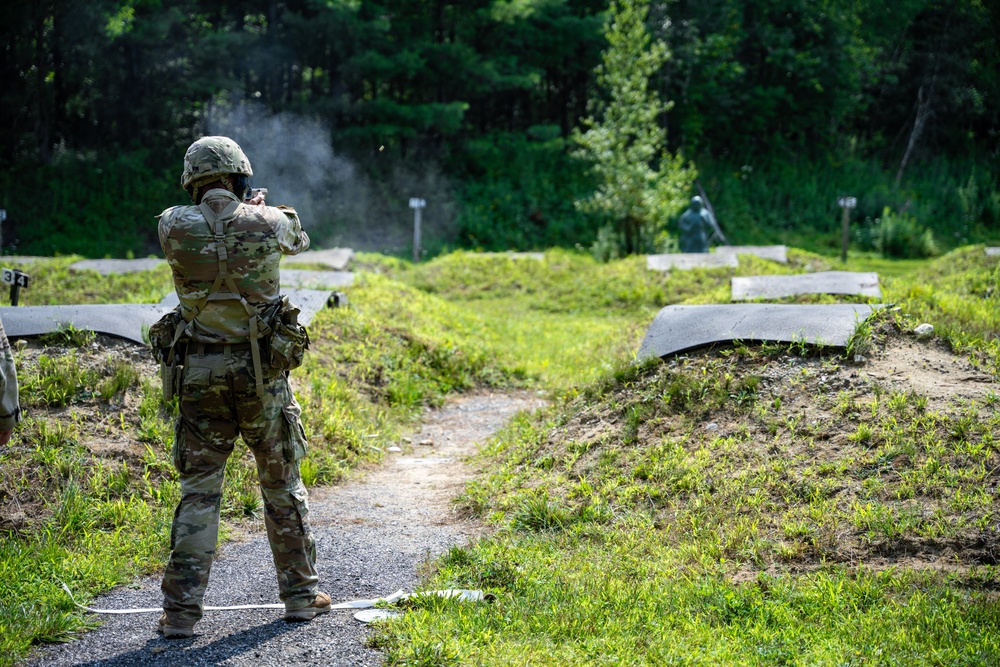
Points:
(640, 184)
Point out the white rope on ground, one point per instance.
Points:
(351, 604)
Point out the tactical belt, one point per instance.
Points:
(217, 348)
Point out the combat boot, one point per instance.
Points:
(173, 631)
(320, 605)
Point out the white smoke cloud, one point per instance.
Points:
(293, 157)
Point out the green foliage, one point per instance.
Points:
(958, 294)
(68, 336)
(53, 283)
(980, 207)
(82, 204)
(794, 200)
(732, 101)
(520, 194)
(95, 521)
(639, 184)
(614, 510)
(699, 526)
(586, 600)
(564, 281)
(619, 507)
(897, 235)
(472, 107)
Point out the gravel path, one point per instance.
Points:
(372, 535)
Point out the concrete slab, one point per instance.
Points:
(309, 301)
(334, 258)
(824, 282)
(680, 328)
(316, 279)
(125, 320)
(775, 253)
(993, 252)
(683, 261)
(106, 267)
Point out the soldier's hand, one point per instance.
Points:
(256, 200)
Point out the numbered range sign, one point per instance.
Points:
(15, 277)
(847, 202)
(418, 203)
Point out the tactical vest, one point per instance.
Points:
(225, 268)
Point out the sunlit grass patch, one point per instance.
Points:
(618, 596)
(53, 283)
(959, 294)
(564, 281)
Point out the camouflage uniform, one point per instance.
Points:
(218, 400)
(10, 411)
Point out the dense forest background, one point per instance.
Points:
(347, 108)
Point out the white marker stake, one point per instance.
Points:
(416, 204)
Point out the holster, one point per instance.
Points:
(170, 376)
(169, 348)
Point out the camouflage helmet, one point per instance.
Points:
(213, 156)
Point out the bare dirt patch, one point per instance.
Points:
(430, 469)
(928, 368)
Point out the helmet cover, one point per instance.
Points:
(213, 156)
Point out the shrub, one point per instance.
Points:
(898, 235)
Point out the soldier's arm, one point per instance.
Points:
(10, 411)
(291, 237)
(165, 221)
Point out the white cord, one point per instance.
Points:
(352, 604)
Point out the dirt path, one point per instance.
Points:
(372, 535)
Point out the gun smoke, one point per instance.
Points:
(340, 205)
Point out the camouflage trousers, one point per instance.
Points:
(218, 402)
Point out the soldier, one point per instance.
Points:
(695, 226)
(10, 410)
(223, 252)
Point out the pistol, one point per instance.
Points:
(257, 191)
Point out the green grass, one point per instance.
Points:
(52, 283)
(626, 533)
(618, 597)
(623, 531)
(959, 294)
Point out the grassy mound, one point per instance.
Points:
(766, 505)
(745, 506)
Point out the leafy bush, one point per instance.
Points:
(898, 235)
(607, 244)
